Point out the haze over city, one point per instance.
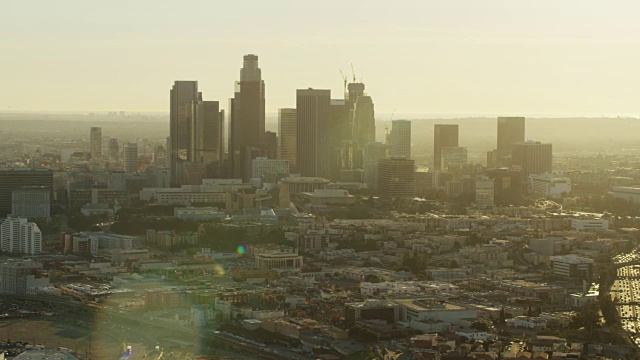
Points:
(463, 57)
(373, 180)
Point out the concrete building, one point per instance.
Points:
(14, 179)
(628, 193)
(533, 157)
(444, 135)
(17, 276)
(401, 138)
(549, 185)
(246, 116)
(31, 202)
(280, 258)
(426, 309)
(17, 235)
(396, 178)
(330, 197)
(313, 114)
(261, 166)
(297, 185)
(594, 224)
(95, 143)
(287, 130)
(572, 266)
(371, 310)
(484, 192)
(507, 186)
(510, 131)
(130, 157)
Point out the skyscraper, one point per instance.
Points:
(401, 138)
(396, 178)
(17, 235)
(114, 150)
(373, 152)
(18, 178)
(183, 94)
(510, 131)
(246, 116)
(341, 137)
(95, 143)
(532, 157)
(443, 136)
(207, 135)
(313, 114)
(287, 123)
(130, 157)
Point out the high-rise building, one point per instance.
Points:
(287, 123)
(207, 135)
(510, 131)
(313, 114)
(396, 178)
(507, 186)
(341, 137)
(364, 127)
(114, 150)
(14, 179)
(484, 192)
(262, 166)
(401, 138)
(444, 135)
(17, 276)
(95, 143)
(533, 157)
(31, 202)
(18, 235)
(130, 157)
(373, 152)
(183, 94)
(246, 116)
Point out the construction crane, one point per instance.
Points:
(344, 84)
(386, 129)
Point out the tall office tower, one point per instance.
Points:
(246, 116)
(95, 143)
(313, 114)
(532, 157)
(269, 142)
(114, 150)
(396, 178)
(373, 152)
(17, 235)
(130, 157)
(182, 94)
(364, 127)
(207, 135)
(18, 178)
(507, 186)
(510, 131)
(31, 202)
(401, 138)
(287, 124)
(484, 192)
(341, 138)
(443, 136)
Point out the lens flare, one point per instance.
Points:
(241, 250)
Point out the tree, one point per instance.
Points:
(480, 326)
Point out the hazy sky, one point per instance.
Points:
(480, 57)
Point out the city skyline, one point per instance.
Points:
(555, 60)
